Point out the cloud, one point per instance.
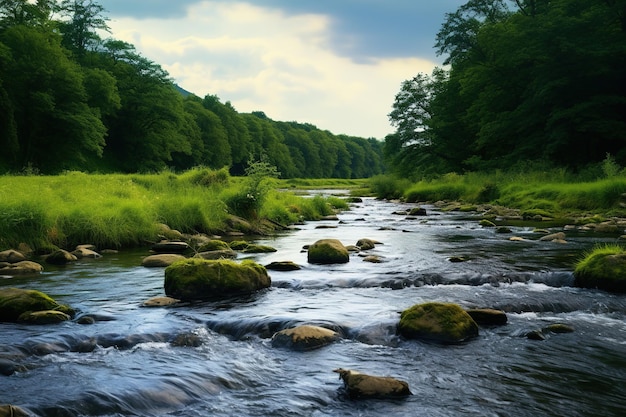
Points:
(281, 63)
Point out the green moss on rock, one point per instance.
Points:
(15, 301)
(603, 268)
(198, 279)
(438, 322)
(328, 251)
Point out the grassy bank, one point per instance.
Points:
(553, 194)
(126, 210)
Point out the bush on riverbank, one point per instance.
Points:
(117, 210)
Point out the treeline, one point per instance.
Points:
(527, 82)
(71, 100)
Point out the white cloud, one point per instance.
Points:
(262, 59)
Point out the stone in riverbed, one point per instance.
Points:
(160, 302)
(15, 301)
(60, 257)
(303, 338)
(43, 317)
(11, 256)
(488, 316)
(437, 322)
(360, 385)
(161, 260)
(200, 279)
(328, 251)
(170, 246)
(8, 410)
(283, 266)
(21, 268)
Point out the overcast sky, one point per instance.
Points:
(337, 64)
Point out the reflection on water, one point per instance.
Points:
(215, 358)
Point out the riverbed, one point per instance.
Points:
(216, 359)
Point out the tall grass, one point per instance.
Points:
(116, 210)
(554, 191)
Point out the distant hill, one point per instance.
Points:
(182, 91)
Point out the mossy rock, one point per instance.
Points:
(212, 245)
(283, 266)
(437, 322)
(303, 338)
(604, 268)
(15, 301)
(253, 248)
(365, 244)
(239, 244)
(43, 317)
(60, 257)
(328, 251)
(201, 279)
(486, 223)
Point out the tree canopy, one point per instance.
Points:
(526, 80)
(71, 100)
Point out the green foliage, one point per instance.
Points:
(70, 100)
(389, 186)
(522, 86)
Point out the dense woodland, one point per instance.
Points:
(538, 83)
(71, 99)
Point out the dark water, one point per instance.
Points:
(131, 361)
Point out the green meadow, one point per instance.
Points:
(127, 210)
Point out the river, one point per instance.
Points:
(131, 361)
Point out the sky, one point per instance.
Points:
(337, 64)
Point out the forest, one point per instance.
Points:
(526, 84)
(73, 100)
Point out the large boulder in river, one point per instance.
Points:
(15, 301)
(328, 251)
(437, 322)
(364, 386)
(603, 268)
(303, 338)
(201, 279)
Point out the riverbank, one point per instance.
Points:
(123, 211)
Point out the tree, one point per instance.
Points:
(84, 18)
(56, 128)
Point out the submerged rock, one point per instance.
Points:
(360, 385)
(328, 251)
(199, 279)
(15, 301)
(438, 322)
(304, 338)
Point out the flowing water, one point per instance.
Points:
(216, 358)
